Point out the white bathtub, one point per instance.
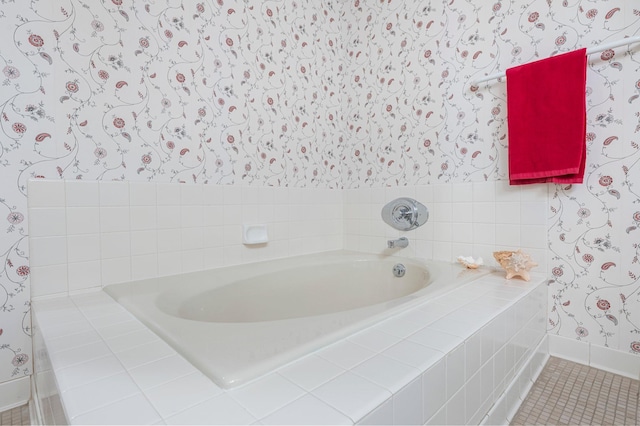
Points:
(240, 322)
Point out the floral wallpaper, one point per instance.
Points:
(210, 91)
(306, 94)
(414, 116)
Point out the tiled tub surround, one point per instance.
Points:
(473, 218)
(90, 234)
(445, 361)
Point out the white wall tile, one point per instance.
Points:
(484, 192)
(143, 193)
(213, 215)
(533, 236)
(443, 232)
(169, 263)
(82, 248)
(346, 354)
(114, 219)
(311, 372)
(407, 405)
(115, 244)
(46, 193)
(441, 212)
(191, 195)
(192, 238)
(462, 233)
(352, 395)
(265, 396)
(169, 240)
(180, 394)
(388, 373)
(381, 415)
(151, 352)
(280, 195)
(82, 193)
(413, 354)
(116, 270)
(232, 195)
(507, 213)
(83, 399)
(169, 216)
(462, 192)
(87, 372)
(144, 242)
(473, 396)
(48, 280)
(84, 275)
(487, 382)
(144, 266)
(505, 192)
(83, 220)
(302, 409)
(455, 406)
(533, 213)
(192, 260)
(212, 195)
(114, 194)
(131, 410)
(168, 194)
(442, 193)
(47, 222)
(507, 236)
(484, 233)
(484, 212)
(46, 251)
(462, 212)
(472, 354)
(455, 370)
(440, 418)
(442, 251)
(191, 216)
(143, 218)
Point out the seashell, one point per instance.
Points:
(515, 263)
(469, 262)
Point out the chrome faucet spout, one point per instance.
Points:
(401, 242)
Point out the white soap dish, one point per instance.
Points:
(254, 234)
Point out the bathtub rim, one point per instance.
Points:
(449, 276)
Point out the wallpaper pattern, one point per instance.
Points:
(414, 116)
(332, 94)
(211, 91)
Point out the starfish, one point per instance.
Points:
(516, 263)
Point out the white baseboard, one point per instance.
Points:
(601, 357)
(15, 393)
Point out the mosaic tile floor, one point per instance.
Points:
(16, 416)
(567, 393)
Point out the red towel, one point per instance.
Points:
(546, 110)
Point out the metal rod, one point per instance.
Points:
(591, 50)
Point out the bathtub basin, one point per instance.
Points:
(238, 323)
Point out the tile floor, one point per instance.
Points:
(16, 416)
(567, 393)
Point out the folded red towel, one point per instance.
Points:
(546, 110)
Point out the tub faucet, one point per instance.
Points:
(401, 242)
